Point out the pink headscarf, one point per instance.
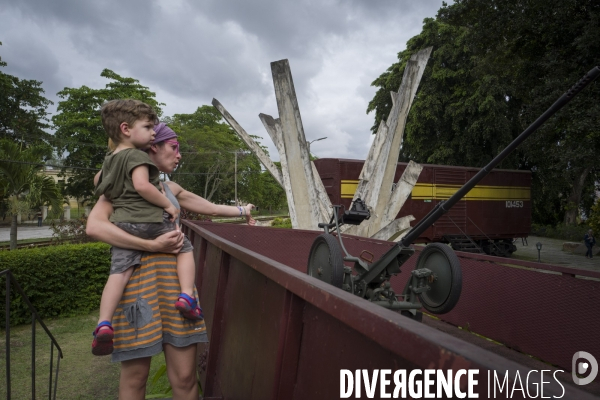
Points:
(163, 132)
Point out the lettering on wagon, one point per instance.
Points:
(514, 204)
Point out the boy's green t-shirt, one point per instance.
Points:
(116, 185)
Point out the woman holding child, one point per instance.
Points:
(146, 322)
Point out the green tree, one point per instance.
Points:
(79, 128)
(23, 186)
(209, 148)
(23, 116)
(496, 66)
(272, 195)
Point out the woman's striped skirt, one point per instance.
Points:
(146, 317)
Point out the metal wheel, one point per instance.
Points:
(447, 284)
(500, 248)
(508, 247)
(325, 261)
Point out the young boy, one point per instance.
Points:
(131, 181)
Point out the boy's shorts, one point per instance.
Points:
(122, 259)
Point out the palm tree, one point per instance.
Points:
(22, 184)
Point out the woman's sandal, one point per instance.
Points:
(189, 308)
(103, 339)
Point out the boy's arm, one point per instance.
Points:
(148, 191)
(97, 177)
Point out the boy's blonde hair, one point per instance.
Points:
(115, 112)
(111, 145)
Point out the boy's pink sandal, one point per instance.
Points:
(103, 339)
(189, 308)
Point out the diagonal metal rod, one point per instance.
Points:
(443, 207)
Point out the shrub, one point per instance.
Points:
(282, 223)
(573, 233)
(59, 280)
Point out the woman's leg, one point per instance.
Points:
(134, 375)
(181, 370)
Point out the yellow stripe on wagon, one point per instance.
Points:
(431, 191)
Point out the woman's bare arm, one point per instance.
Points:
(197, 204)
(100, 228)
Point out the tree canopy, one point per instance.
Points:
(79, 130)
(272, 195)
(209, 148)
(23, 115)
(496, 66)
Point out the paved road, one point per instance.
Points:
(32, 231)
(25, 232)
(552, 253)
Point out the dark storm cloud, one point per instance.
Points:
(192, 47)
(290, 26)
(191, 51)
(86, 14)
(295, 30)
(283, 26)
(33, 60)
(91, 28)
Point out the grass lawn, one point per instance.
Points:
(81, 375)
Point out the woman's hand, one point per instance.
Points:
(249, 220)
(170, 242)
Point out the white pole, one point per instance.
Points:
(236, 199)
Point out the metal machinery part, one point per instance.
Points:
(498, 247)
(326, 262)
(445, 281)
(436, 282)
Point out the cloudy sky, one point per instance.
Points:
(189, 52)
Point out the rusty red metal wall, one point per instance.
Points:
(276, 333)
(544, 311)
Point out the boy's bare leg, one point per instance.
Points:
(186, 272)
(112, 293)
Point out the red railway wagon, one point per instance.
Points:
(488, 218)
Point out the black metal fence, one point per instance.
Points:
(34, 320)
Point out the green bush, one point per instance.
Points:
(59, 280)
(282, 223)
(572, 233)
